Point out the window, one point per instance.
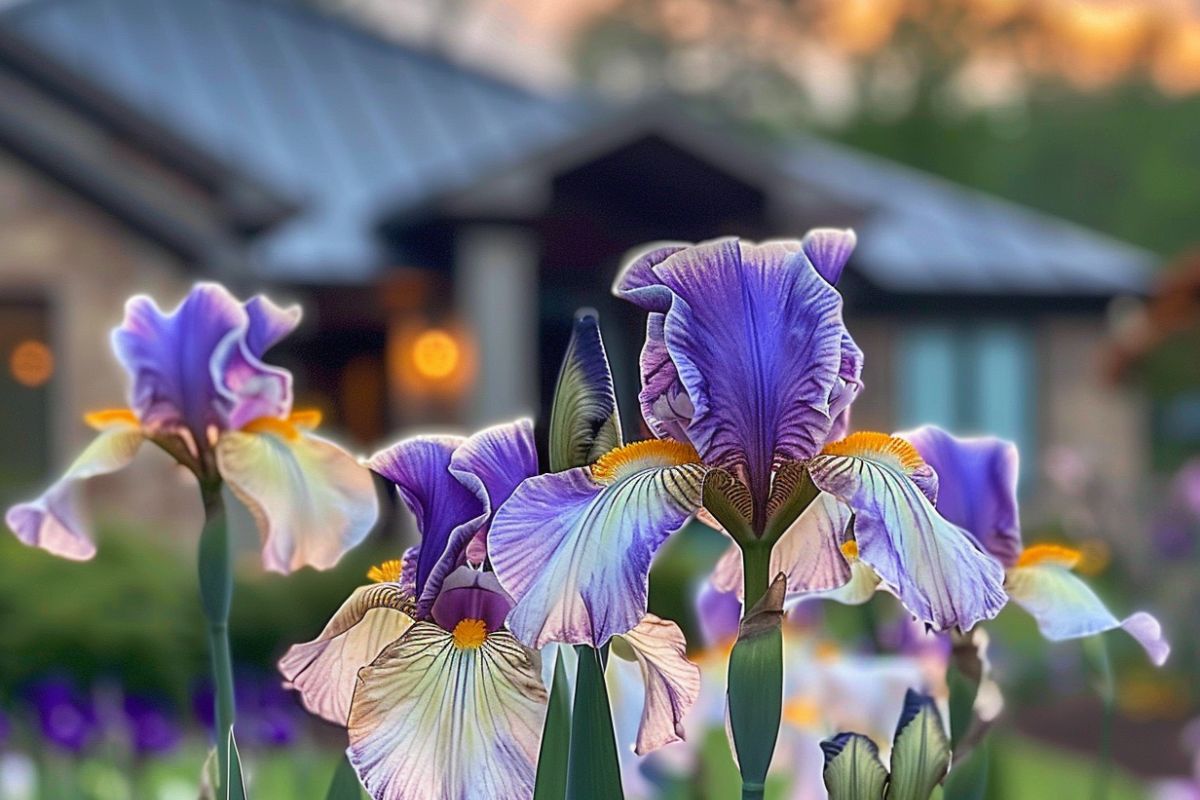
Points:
(970, 379)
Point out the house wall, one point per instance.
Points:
(59, 249)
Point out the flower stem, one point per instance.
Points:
(216, 595)
(756, 572)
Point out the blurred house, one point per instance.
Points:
(441, 228)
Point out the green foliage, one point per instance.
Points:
(345, 784)
(594, 771)
(853, 770)
(756, 689)
(920, 751)
(553, 759)
(969, 780)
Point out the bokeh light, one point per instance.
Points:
(435, 354)
(31, 363)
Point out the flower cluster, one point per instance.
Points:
(438, 668)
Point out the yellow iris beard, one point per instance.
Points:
(867, 443)
(289, 428)
(469, 634)
(635, 457)
(1049, 553)
(387, 572)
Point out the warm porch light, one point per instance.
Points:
(31, 363)
(435, 354)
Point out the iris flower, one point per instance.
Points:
(978, 491)
(440, 699)
(200, 391)
(748, 373)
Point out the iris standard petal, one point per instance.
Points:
(491, 464)
(573, 548)
(1066, 608)
(829, 249)
(324, 670)
(193, 367)
(672, 682)
(420, 468)
(808, 553)
(935, 568)
(268, 323)
(311, 500)
(469, 593)
(755, 335)
(977, 486)
(431, 719)
(53, 521)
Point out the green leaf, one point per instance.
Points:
(593, 769)
(555, 754)
(584, 423)
(235, 785)
(968, 780)
(756, 688)
(345, 784)
(920, 750)
(853, 770)
(211, 785)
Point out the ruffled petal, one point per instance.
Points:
(829, 249)
(672, 682)
(584, 421)
(491, 464)
(574, 552)
(977, 486)
(53, 521)
(194, 367)
(808, 552)
(935, 568)
(268, 323)
(311, 500)
(1066, 608)
(420, 468)
(324, 670)
(431, 719)
(860, 588)
(755, 335)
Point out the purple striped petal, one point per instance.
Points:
(977, 480)
(325, 670)
(311, 500)
(755, 336)
(935, 568)
(431, 719)
(199, 365)
(1066, 608)
(573, 548)
(829, 249)
(491, 464)
(672, 682)
(420, 468)
(53, 521)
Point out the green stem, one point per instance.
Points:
(216, 595)
(756, 572)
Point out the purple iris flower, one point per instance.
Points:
(66, 717)
(978, 491)
(153, 729)
(200, 390)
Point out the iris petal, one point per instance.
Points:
(430, 719)
(1066, 608)
(575, 553)
(672, 682)
(53, 521)
(324, 670)
(934, 567)
(755, 336)
(199, 365)
(977, 486)
(310, 500)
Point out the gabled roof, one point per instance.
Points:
(335, 119)
(354, 129)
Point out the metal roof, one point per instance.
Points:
(352, 128)
(344, 123)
